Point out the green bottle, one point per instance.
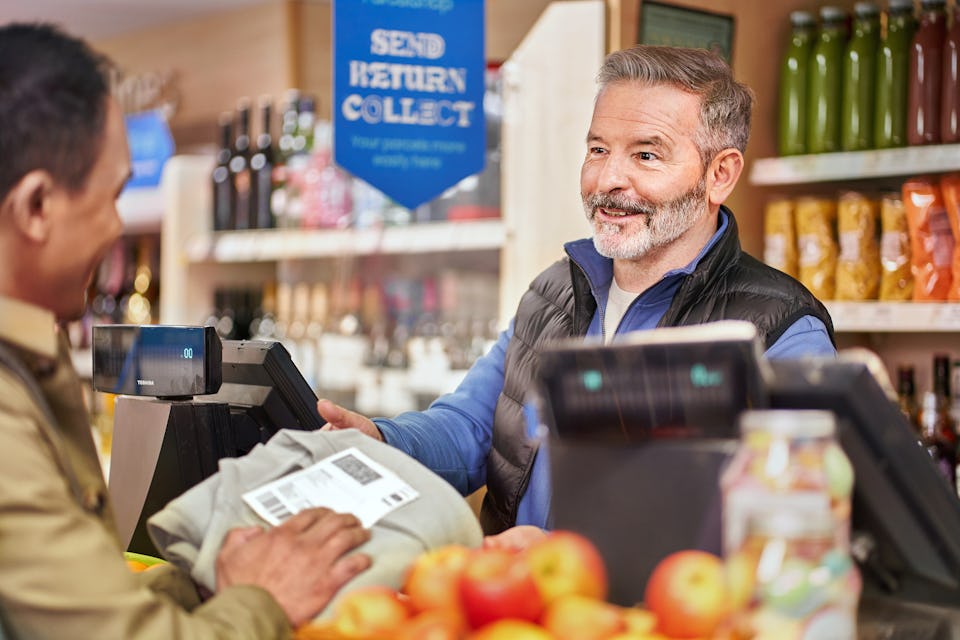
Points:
(890, 88)
(859, 75)
(792, 123)
(824, 86)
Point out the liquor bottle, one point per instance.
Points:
(890, 117)
(937, 430)
(824, 89)
(907, 395)
(925, 74)
(261, 173)
(222, 185)
(859, 70)
(240, 168)
(793, 84)
(288, 127)
(950, 85)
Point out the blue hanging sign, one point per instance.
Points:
(408, 94)
(151, 144)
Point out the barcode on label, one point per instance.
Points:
(356, 469)
(274, 506)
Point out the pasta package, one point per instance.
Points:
(931, 240)
(858, 262)
(780, 236)
(896, 277)
(950, 189)
(816, 245)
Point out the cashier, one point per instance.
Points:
(63, 162)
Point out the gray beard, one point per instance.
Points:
(662, 222)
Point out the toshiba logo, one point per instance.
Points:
(146, 383)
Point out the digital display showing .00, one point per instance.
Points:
(150, 360)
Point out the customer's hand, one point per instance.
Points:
(518, 538)
(339, 418)
(301, 562)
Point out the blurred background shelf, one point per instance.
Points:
(291, 244)
(855, 165)
(903, 317)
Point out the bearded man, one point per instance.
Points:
(664, 151)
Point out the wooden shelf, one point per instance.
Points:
(291, 244)
(894, 317)
(855, 165)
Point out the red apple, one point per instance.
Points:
(687, 593)
(567, 563)
(496, 584)
(369, 612)
(511, 630)
(432, 582)
(576, 617)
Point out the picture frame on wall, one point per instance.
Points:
(666, 24)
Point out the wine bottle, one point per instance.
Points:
(220, 178)
(240, 168)
(261, 173)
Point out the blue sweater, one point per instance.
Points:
(452, 437)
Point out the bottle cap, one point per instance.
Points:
(832, 14)
(932, 4)
(802, 18)
(898, 6)
(791, 423)
(866, 10)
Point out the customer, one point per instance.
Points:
(63, 162)
(664, 151)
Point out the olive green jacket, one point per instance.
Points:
(62, 573)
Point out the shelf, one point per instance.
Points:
(141, 210)
(895, 317)
(286, 244)
(855, 165)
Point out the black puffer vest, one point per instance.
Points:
(727, 284)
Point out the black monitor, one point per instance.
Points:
(265, 392)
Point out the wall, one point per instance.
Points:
(266, 49)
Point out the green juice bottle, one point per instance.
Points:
(890, 88)
(859, 75)
(792, 121)
(825, 86)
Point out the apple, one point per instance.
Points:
(576, 617)
(511, 630)
(496, 584)
(432, 581)
(637, 620)
(369, 611)
(434, 624)
(687, 592)
(567, 563)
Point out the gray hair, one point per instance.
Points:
(725, 104)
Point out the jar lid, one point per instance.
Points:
(832, 14)
(866, 10)
(792, 423)
(802, 18)
(932, 3)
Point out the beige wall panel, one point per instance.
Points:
(218, 59)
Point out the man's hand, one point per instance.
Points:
(518, 538)
(301, 562)
(339, 418)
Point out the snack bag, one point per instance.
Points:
(896, 277)
(858, 265)
(817, 245)
(931, 239)
(950, 189)
(780, 236)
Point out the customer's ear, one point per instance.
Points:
(722, 175)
